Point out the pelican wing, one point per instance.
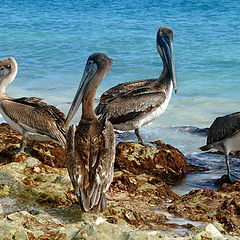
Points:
(36, 116)
(131, 105)
(102, 174)
(224, 127)
(107, 156)
(121, 90)
(77, 159)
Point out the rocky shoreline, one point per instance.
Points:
(37, 200)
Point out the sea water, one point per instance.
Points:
(51, 41)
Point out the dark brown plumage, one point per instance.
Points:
(91, 145)
(224, 127)
(224, 135)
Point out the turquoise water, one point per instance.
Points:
(51, 41)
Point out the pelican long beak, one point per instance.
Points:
(167, 49)
(88, 74)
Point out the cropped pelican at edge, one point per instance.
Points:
(224, 136)
(90, 145)
(29, 115)
(130, 105)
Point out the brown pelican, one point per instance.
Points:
(90, 145)
(30, 116)
(224, 135)
(131, 105)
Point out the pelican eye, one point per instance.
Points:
(2, 68)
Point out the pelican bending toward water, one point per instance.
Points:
(224, 136)
(29, 116)
(90, 145)
(131, 105)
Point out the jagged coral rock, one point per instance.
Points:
(163, 161)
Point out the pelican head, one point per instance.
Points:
(165, 49)
(7, 65)
(98, 64)
(8, 71)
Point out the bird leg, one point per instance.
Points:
(140, 140)
(228, 165)
(24, 143)
(230, 175)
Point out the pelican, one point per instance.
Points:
(224, 136)
(130, 105)
(90, 145)
(29, 116)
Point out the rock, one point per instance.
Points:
(23, 225)
(50, 153)
(213, 232)
(134, 198)
(222, 206)
(32, 183)
(37, 200)
(164, 161)
(142, 185)
(47, 152)
(54, 226)
(223, 179)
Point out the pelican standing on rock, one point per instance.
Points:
(90, 145)
(224, 136)
(131, 105)
(29, 116)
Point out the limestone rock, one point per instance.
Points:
(29, 182)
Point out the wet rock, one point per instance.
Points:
(194, 130)
(222, 206)
(163, 161)
(223, 179)
(47, 152)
